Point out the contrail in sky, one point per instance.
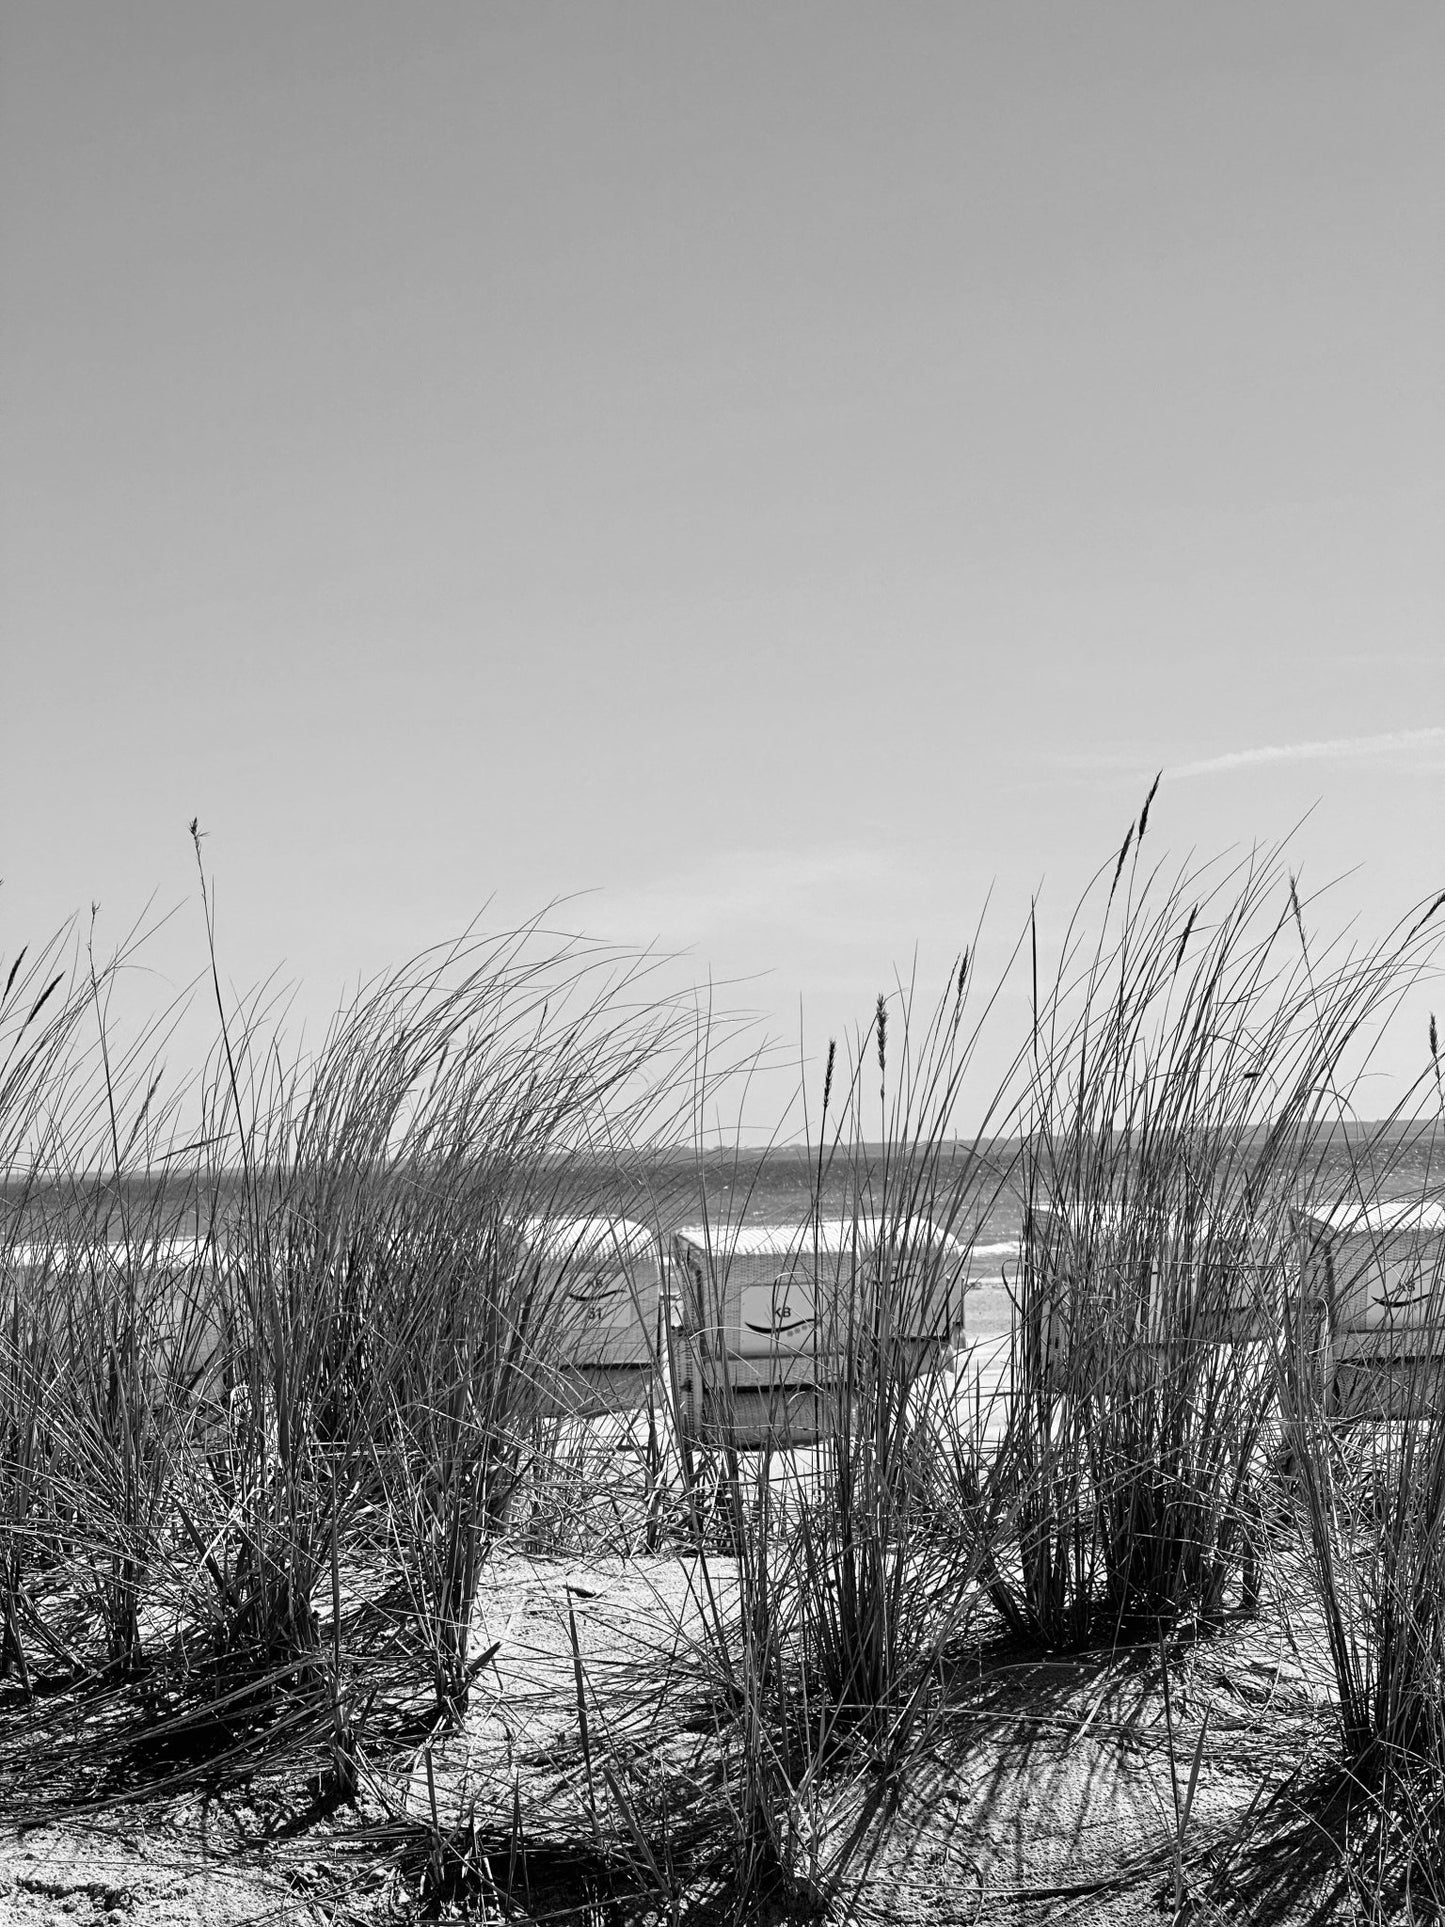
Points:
(1328, 749)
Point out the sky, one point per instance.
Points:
(779, 477)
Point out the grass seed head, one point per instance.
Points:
(1144, 813)
(1123, 859)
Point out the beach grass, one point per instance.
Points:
(285, 1360)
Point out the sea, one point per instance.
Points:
(733, 1186)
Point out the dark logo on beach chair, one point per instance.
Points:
(600, 1297)
(780, 1310)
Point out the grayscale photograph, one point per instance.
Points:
(722, 956)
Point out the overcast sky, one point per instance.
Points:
(783, 469)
